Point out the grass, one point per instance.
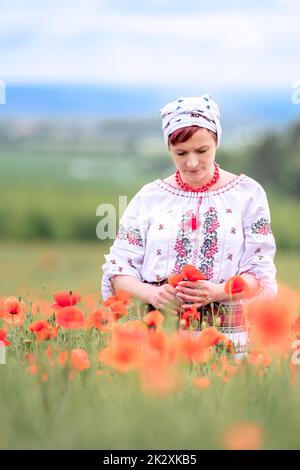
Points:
(109, 411)
(94, 413)
(41, 268)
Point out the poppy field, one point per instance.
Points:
(81, 373)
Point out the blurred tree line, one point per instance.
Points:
(273, 160)
(53, 174)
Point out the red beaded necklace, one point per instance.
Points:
(201, 189)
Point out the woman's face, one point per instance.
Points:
(195, 158)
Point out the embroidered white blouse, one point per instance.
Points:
(232, 234)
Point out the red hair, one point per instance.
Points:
(185, 133)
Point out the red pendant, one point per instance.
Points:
(194, 223)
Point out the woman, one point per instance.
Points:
(201, 215)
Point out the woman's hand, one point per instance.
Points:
(164, 298)
(199, 292)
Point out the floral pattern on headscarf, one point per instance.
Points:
(200, 111)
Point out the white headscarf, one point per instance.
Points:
(200, 111)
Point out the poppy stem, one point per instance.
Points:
(212, 313)
(139, 311)
(180, 312)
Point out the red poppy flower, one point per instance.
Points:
(100, 319)
(243, 436)
(3, 338)
(189, 316)
(51, 333)
(296, 325)
(79, 359)
(70, 318)
(153, 319)
(192, 273)
(127, 344)
(210, 336)
(190, 348)
(131, 331)
(201, 382)
(236, 285)
(12, 310)
(120, 295)
(39, 325)
(76, 361)
(224, 369)
(259, 357)
(65, 299)
(62, 358)
(158, 377)
(270, 320)
(175, 279)
(123, 296)
(12, 304)
(118, 309)
(43, 330)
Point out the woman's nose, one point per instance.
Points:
(192, 162)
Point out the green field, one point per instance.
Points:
(54, 196)
(41, 268)
(94, 413)
(110, 411)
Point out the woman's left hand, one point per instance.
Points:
(199, 292)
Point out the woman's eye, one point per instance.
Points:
(198, 151)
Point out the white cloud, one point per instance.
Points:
(90, 41)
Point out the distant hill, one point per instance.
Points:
(241, 110)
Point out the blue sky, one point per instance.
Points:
(225, 44)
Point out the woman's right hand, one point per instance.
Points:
(164, 298)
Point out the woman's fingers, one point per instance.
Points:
(192, 284)
(192, 294)
(195, 292)
(167, 300)
(170, 295)
(193, 298)
(169, 304)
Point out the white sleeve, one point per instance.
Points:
(259, 244)
(127, 252)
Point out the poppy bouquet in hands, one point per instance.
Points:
(187, 281)
(189, 273)
(194, 290)
(192, 287)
